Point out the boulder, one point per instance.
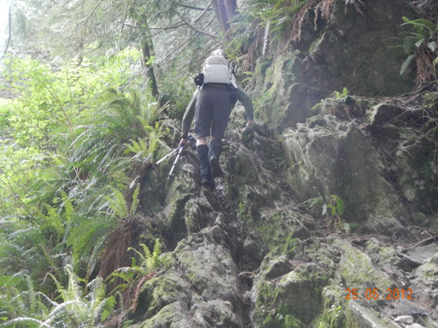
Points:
(339, 159)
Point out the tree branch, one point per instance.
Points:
(183, 46)
(154, 28)
(202, 14)
(197, 30)
(192, 7)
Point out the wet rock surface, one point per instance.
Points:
(248, 256)
(263, 248)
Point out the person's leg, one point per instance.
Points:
(203, 119)
(221, 114)
(203, 152)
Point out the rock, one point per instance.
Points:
(253, 251)
(215, 313)
(387, 257)
(170, 316)
(338, 159)
(359, 50)
(276, 267)
(358, 270)
(409, 308)
(161, 291)
(334, 310)
(406, 319)
(288, 303)
(424, 283)
(209, 268)
(383, 114)
(364, 316)
(198, 215)
(415, 325)
(423, 253)
(285, 101)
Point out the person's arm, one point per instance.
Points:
(245, 99)
(188, 117)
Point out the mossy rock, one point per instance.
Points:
(334, 308)
(170, 316)
(358, 270)
(294, 300)
(159, 292)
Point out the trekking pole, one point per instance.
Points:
(168, 155)
(176, 160)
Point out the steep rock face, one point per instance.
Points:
(336, 158)
(369, 155)
(251, 258)
(251, 253)
(360, 49)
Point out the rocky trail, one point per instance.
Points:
(327, 213)
(248, 254)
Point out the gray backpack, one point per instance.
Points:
(217, 69)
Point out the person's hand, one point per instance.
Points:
(183, 142)
(250, 123)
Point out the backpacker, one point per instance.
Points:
(217, 69)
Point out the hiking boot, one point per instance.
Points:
(214, 155)
(207, 183)
(203, 152)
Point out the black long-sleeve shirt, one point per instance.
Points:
(243, 97)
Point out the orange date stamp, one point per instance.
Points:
(373, 294)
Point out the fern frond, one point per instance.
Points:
(78, 308)
(59, 287)
(135, 201)
(32, 296)
(419, 42)
(406, 64)
(94, 256)
(156, 254)
(51, 302)
(27, 320)
(142, 257)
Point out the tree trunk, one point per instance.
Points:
(224, 11)
(147, 48)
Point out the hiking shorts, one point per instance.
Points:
(212, 110)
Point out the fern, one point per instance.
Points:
(135, 201)
(149, 262)
(406, 64)
(421, 44)
(117, 204)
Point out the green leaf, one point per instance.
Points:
(406, 64)
(419, 42)
(432, 46)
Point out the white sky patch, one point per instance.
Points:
(4, 8)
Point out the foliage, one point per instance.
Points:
(92, 27)
(80, 307)
(421, 45)
(249, 26)
(337, 208)
(341, 95)
(178, 92)
(66, 167)
(149, 262)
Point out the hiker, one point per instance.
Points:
(212, 104)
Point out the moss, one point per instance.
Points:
(357, 269)
(162, 319)
(281, 318)
(334, 309)
(291, 246)
(429, 271)
(314, 44)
